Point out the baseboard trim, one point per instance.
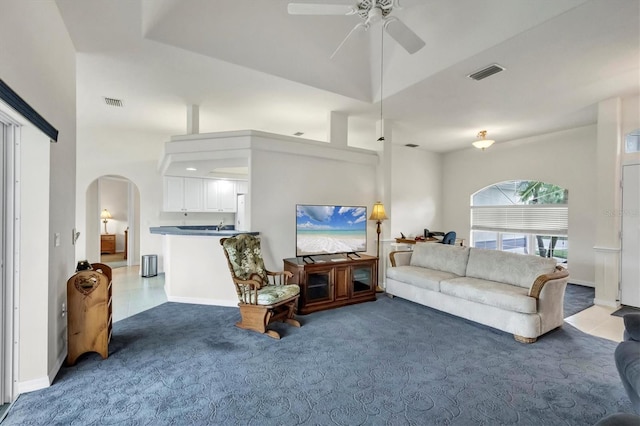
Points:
(33, 385)
(42, 382)
(199, 301)
(582, 282)
(58, 365)
(607, 303)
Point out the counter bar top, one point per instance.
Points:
(206, 230)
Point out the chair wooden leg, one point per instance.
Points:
(254, 317)
(257, 317)
(291, 314)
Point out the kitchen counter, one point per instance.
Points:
(195, 267)
(210, 230)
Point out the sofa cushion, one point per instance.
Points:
(420, 277)
(511, 268)
(500, 295)
(442, 257)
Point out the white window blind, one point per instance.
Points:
(546, 219)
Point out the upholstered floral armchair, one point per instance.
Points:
(263, 296)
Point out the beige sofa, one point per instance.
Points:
(519, 294)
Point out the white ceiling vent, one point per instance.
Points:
(486, 72)
(113, 102)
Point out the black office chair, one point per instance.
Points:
(449, 238)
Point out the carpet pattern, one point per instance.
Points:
(388, 362)
(577, 298)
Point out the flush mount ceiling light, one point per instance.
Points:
(482, 142)
(191, 169)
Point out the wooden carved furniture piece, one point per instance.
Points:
(107, 244)
(90, 317)
(330, 284)
(263, 296)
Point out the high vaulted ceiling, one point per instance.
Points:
(248, 64)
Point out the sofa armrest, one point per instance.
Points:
(400, 258)
(559, 274)
(632, 326)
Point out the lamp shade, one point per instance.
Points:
(105, 214)
(378, 212)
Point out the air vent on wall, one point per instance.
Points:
(113, 102)
(411, 145)
(486, 72)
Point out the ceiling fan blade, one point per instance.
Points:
(403, 35)
(319, 9)
(357, 27)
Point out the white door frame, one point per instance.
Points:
(9, 278)
(629, 266)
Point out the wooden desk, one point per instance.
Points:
(459, 241)
(412, 241)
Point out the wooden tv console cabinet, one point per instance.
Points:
(328, 284)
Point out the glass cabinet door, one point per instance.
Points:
(318, 286)
(362, 278)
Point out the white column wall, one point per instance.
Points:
(607, 202)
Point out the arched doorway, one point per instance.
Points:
(113, 221)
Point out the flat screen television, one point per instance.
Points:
(330, 229)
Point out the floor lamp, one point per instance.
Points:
(378, 214)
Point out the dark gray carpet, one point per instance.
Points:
(625, 310)
(388, 362)
(577, 298)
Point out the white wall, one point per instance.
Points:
(630, 114)
(41, 69)
(133, 156)
(416, 197)
(566, 158)
(280, 180)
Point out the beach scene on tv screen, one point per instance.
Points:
(330, 229)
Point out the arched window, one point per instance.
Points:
(528, 217)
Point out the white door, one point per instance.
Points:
(240, 214)
(630, 273)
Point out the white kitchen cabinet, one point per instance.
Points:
(242, 187)
(183, 194)
(220, 195)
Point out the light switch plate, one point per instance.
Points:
(56, 239)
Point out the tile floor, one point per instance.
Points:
(133, 294)
(598, 321)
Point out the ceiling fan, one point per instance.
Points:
(371, 12)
